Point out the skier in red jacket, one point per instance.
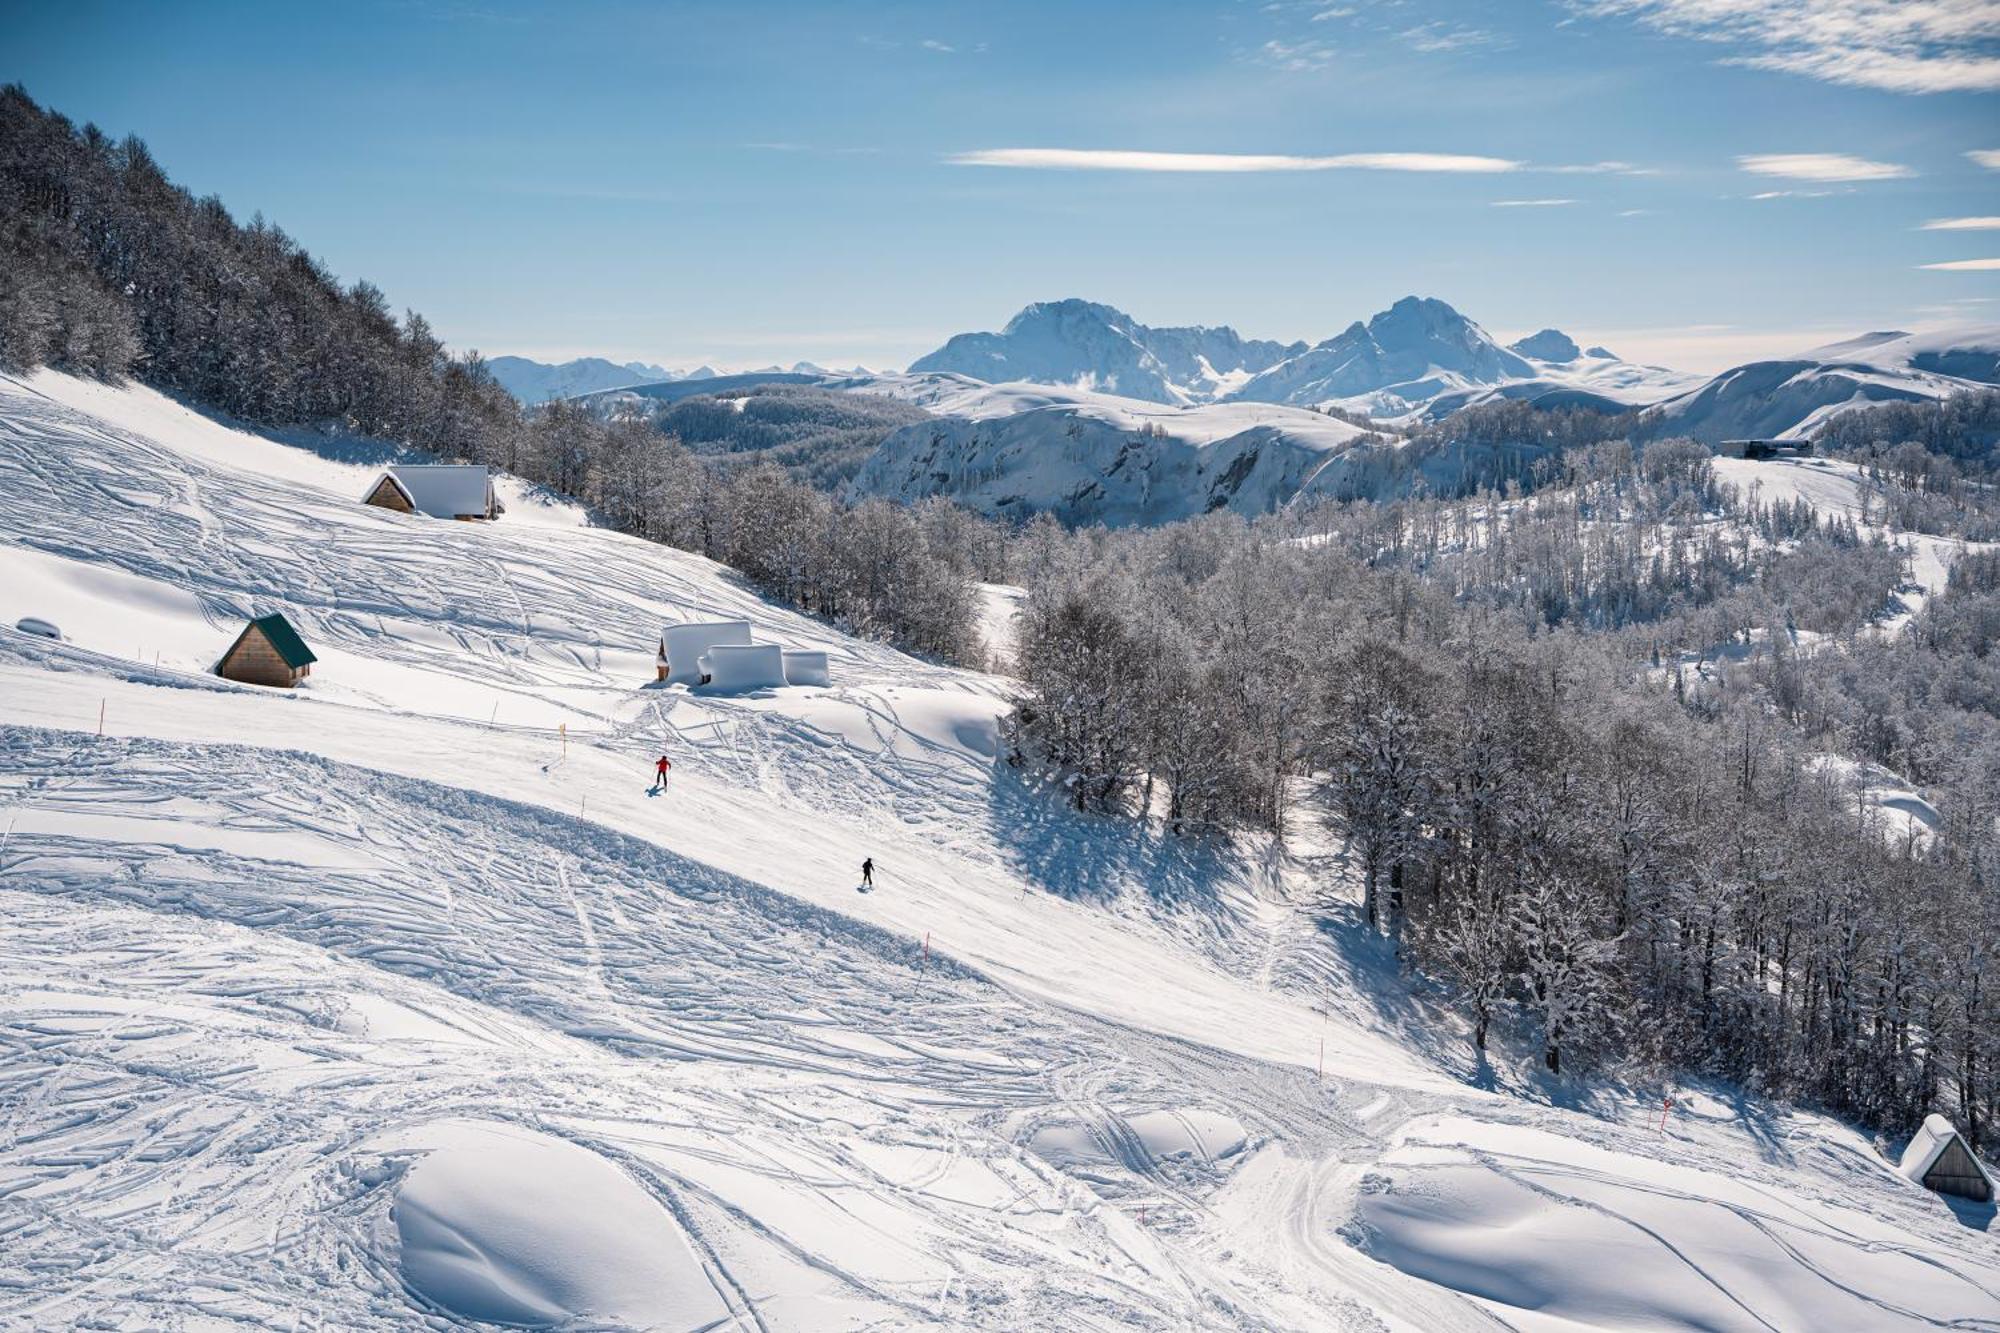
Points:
(661, 769)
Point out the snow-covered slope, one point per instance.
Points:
(1785, 399)
(1022, 449)
(1084, 345)
(400, 1001)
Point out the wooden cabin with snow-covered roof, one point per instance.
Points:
(441, 490)
(1939, 1158)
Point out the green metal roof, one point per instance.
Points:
(286, 640)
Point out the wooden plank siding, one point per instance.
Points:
(254, 661)
(388, 495)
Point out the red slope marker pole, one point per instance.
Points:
(1666, 1106)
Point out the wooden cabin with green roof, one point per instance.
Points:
(268, 652)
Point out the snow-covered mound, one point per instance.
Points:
(507, 1225)
(406, 998)
(1020, 449)
(1085, 345)
(1548, 1232)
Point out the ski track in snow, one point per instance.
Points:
(245, 987)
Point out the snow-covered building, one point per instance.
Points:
(268, 652)
(722, 653)
(1761, 449)
(683, 646)
(441, 490)
(744, 666)
(1938, 1158)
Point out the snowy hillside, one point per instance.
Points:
(1785, 399)
(1022, 449)
(1084, 345)
(400, 1000)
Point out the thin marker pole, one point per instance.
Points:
(100, 719)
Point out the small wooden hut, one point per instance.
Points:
(268, 652)
(1938, 1159)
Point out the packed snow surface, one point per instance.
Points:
(407, 999)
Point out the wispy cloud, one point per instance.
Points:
(1601, 169)
(942, 48)
(1105, 159)
(1530, 203)
(1295, 57)
(1635, 212)
(1903, 46)
(1965, 266)
(1797, 194)
(1986, 157)
(1821, 167)
(1439, 35)
(1961, 224)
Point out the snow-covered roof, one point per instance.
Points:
(1929, 1144)
(444, 490)
(744, 666)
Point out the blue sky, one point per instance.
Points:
(743, 183)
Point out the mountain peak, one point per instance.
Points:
(1548, 345)
(1088, 345)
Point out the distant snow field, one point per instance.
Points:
(406, 999)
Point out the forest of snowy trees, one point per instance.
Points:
(1575, 725)
(1568, 787)
(109, 269)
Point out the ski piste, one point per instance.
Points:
(313, 987)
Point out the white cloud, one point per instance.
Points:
(1635, 213)
(942, 48)
(1797, 194)
(1104, 159)
(1965, 266)
(1961, 224)
(1904, 46)
(1821, 167)
(1530, 203)
(1986, 157)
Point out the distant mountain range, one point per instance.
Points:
(539, 381)
(1417, 352)
(1076, 408)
